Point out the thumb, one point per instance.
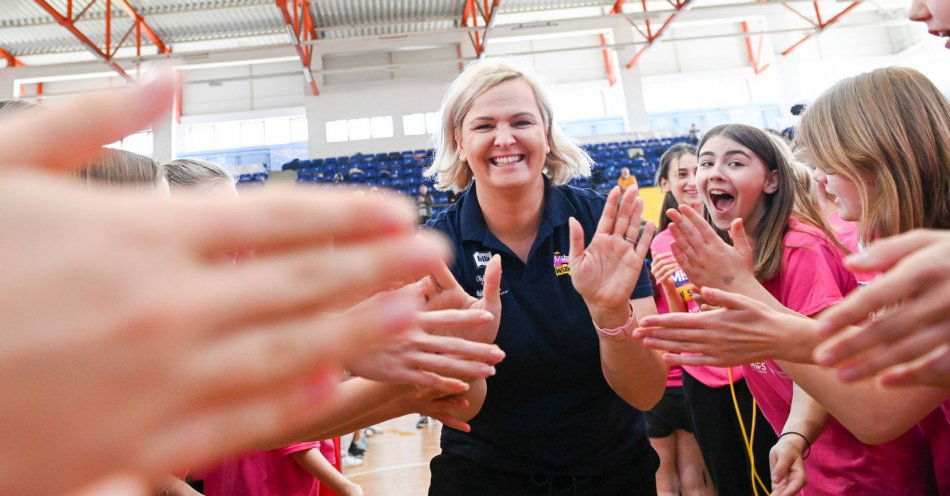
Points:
(720, 298)
(740, 240)
(491, 292)
(780, 465)
(577, 239)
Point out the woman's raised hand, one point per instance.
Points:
(605, 272)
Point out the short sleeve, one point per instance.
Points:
(298, 447)
(808, 283)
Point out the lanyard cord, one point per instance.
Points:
(748, 438)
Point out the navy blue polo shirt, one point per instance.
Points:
(548, 409)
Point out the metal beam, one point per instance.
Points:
(653, 37)
(754, 57)
(301, 29)
(68, 23)
(11, 60)
(821, 26)
(141, 25)
(471, 12)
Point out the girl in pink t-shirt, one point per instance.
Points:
(294, 470)
(791, 262)
(701, 396)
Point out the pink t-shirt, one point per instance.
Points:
(263, 473)
(848, 233)
(936, 430)
(714, 377)
(812, 278)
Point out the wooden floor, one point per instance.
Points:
(397, 460)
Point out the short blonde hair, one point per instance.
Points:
(888, 131)
(564, 162)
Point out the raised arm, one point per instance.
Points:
(605, 274)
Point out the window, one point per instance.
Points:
(227, 135)
(201, 137)
(140, 143)
(336, 131)
(252, 133)
(359, 129)
(414, 124)
(382, 127)
(277, 131)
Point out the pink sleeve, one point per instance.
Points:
(808, 283)
(298, 447)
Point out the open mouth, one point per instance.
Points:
(507, 160)
(721, 200)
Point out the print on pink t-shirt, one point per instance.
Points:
(714, 377)
(812, 278)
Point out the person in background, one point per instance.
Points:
(424, 201)
(625, 180)
(934, 13)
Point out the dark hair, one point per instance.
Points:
(769, 235)
(666, 161)
(115, 167)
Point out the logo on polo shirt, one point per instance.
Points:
(561, 264)
(482, 258)
(759, 366)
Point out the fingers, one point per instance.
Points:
(273, 287)
(448, 366)
(906, 350)
(483, 353)
(695, 226)
(781, 463)
(884, 253)
(673, 346)
(740, 240)
(675, 319)
(932, 369)
(720, 298)
(442, 278)
(274, 354)
(439, 322)
(577, 238)
(677, 359)
(643, 244)
(609, 215)
(854, 309)
(68, 130)
(628, 216)
(452, 422)
(288, 219)
(432, 381)
(491, 290)
(204, 436)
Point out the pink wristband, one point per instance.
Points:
(618, 333)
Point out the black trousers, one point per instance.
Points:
(453, 475)
(720, 439)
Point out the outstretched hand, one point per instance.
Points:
(706, 259)
(739, 330)
(910, 343)
(441, 291)
(606, 271)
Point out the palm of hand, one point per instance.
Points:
(608, 269)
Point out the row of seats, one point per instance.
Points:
(402, 171)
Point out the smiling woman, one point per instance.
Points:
(571, 291)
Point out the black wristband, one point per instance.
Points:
(799, 434)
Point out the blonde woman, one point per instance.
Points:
(564, 408)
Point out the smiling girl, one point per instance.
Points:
(789, 261)
(703, 391)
